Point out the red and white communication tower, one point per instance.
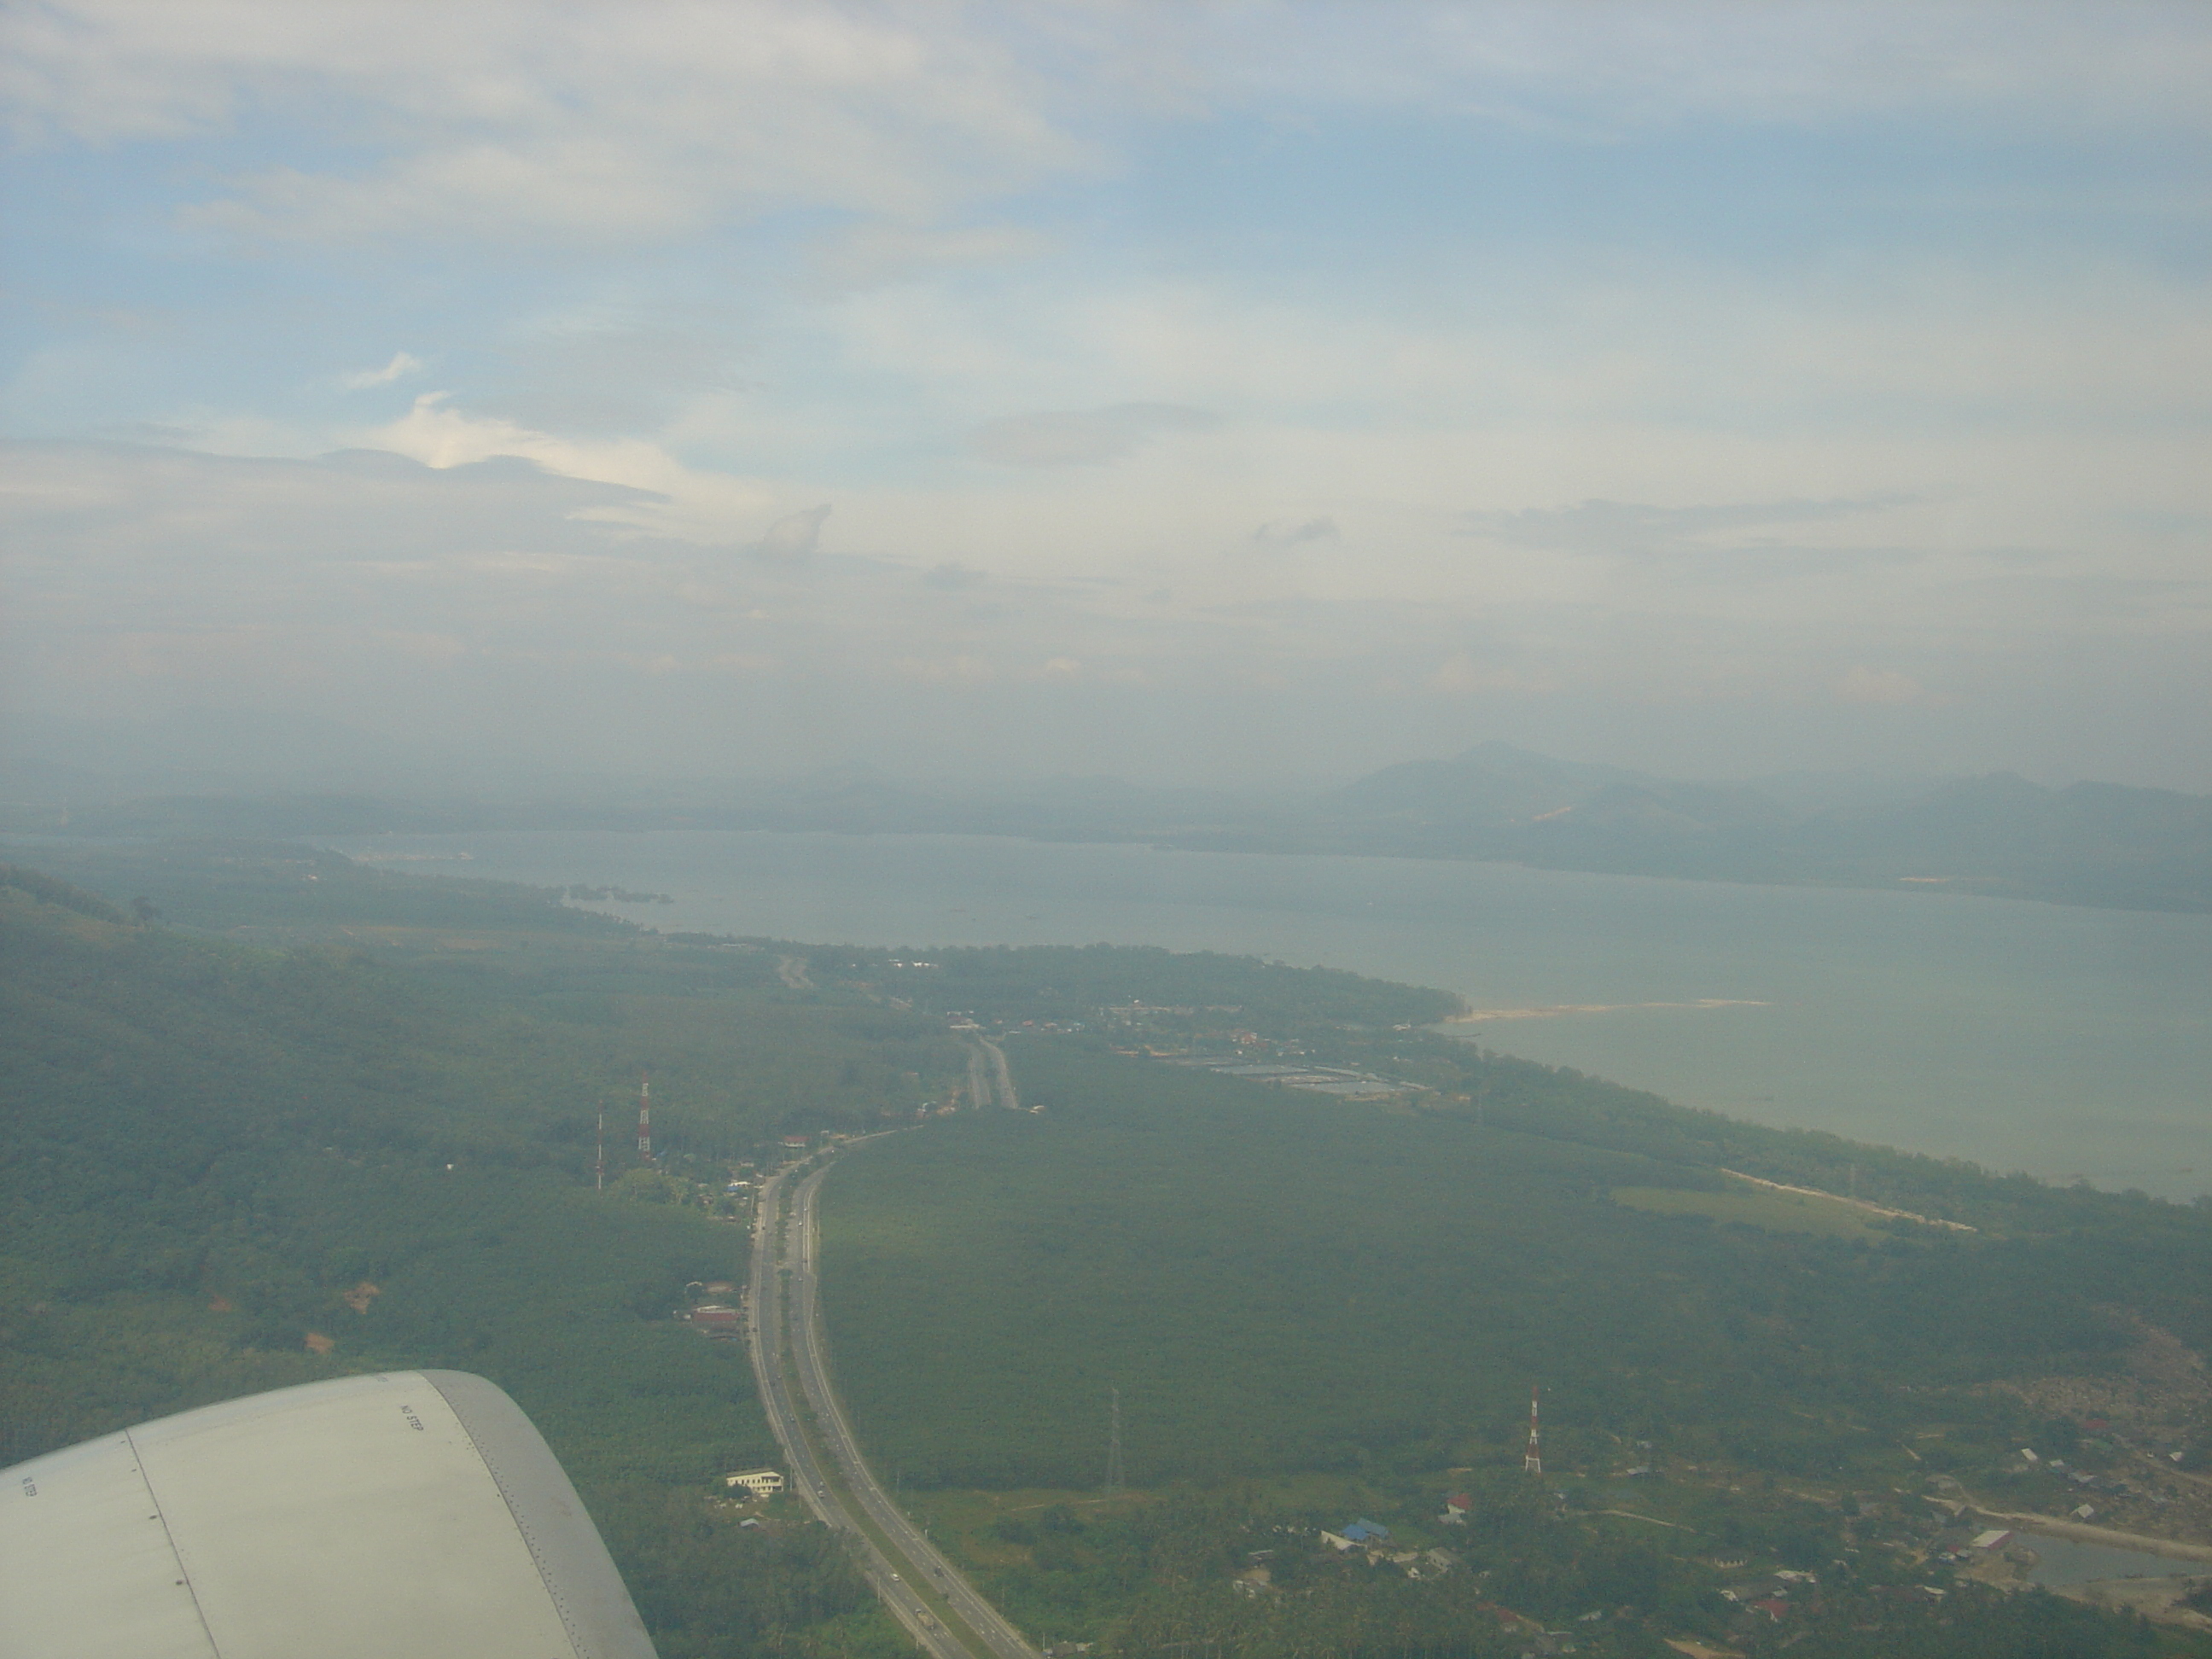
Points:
(645, 1117)
(1533, 1461)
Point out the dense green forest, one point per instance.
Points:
(1009, 985)
(253, 1080)
(210, 1148)
(1277, 1282)
(1288, 1291)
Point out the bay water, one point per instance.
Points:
(2066, 1042)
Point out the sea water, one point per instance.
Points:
(2065, 1042)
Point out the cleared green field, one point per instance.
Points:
(1756, 1206)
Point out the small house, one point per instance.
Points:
(717, 1322)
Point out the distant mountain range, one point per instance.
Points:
(2001, 836)
(2091, 844)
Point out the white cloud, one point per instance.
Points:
(1081, 437)
(1294, 535)
(952, 577)
(1783, 464)
(792, 539)
(961, 669)
(1777, 536)
(402, 364)
(1879, 685)
(692, 505)
(533, 117)
(105, 69)
(868, 255)
(496, 604)
(513, 117)
(1596, 71)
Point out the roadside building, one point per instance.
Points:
(761, 1483)
(1362, 1534)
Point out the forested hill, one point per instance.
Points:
(2000, 835)
(2089, 843)
(229, 1169)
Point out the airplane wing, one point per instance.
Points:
(414, 1513)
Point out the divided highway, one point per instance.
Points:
(1007, 1098)
(985, 1052)
(785, 1331)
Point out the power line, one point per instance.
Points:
(1114, 1473)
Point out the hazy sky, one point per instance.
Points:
(1247, 391)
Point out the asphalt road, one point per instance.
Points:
(1007, 1098)
(772, 1339)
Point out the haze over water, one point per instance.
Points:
(2063, 1041)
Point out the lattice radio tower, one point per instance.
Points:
(1532, 1462)
(1114, 1444)
(645, 1117)
(599, 1168)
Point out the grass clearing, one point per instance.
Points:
(1757, 1206)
